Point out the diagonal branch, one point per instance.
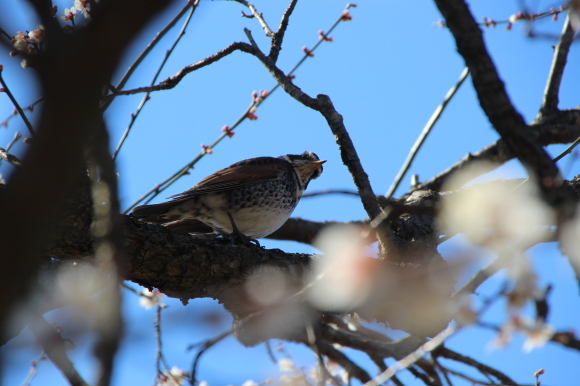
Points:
(324, 105)
(172, 81)
(492, 95)
(550, 102)
(258, 16)
(278, 36)
(146, 52)
(563, 127)
(54, 347)
(426, 130)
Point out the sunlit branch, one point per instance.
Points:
(551, 93)
(426, 130)
(258, 16)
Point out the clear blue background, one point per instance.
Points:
(386, 71)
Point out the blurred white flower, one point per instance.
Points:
(69, 14)
(537, 333)
(20, 41)
(249, 382)
(83, 6)
(36, 35)
(150, 299)
(525, 285)
(570, 240)
(341, 278)
(286, 364)
(352, 320)
(295, 379)
(267, 285)
(495, 215)
(173, 377)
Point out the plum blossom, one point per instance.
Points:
(537, 333)
(149, 298)
(173, 377)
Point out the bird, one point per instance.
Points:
(248, 200)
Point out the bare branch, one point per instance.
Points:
(146, 52)
(15, 103)
(426, 130)
(563, 127)
(551, 93)
(413, 357)
(154, 79)
(278, 36)
(258, 17)
(54, 347)
(484, 369)
(172, 81)
(352, 368)
(492, 94)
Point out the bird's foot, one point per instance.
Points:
(242, 239)
(238, 237)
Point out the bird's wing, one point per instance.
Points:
(239, 175)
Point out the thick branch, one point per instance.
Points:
(492, 94)
(53, 161)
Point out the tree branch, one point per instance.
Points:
(558, 128)
(551, 93)
(492, 95)
(278, 36)
(54, 347)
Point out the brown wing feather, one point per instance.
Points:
(244, 173)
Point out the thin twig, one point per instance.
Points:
(426, 130)
(228, 132)
(568, 150)
(443, 370)
(173, 80)
(30, 108)
(54, 347)
(34, 369)
(483, 369)
(158, 349)
(332, 191)
(258, 17)
(270, 352)
(16, 105)
(204, 347)
(163, 62)
(413, 357)
(11, 159)
(146, 51)
(551, 93)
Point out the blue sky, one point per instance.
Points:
(386, 72)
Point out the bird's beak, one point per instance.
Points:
(318, 163)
